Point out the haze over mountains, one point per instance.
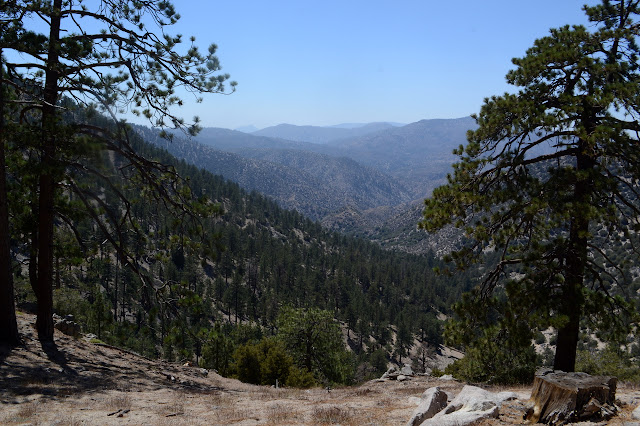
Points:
(321, 135)
(369, 180)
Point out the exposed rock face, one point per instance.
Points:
(636, 413)
(470, 406)
(394, 374)
(433, 401)
(67, 325)
(560, 398)
(407, 370)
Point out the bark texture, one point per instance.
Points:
(560, 398)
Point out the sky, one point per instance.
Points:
(310, 62)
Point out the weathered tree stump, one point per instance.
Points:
(560, 398)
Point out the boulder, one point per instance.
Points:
(391, 373)
(433, 401)
(394, 374)
(67, 325)
(471, 405)
(560, 397)
(407, 370)
(636, 413)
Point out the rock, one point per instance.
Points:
(407, 370)
(433, 400)
(415, 400)
(446, 377)
(402, 378)
(560, 397)
(473, 398)
(391, 373)
(636, 413)
(204, 372)
(471, 405)
(67, 326)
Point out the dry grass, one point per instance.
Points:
(270, 394)
(220, 400)
(332, 415)
(279, 414)
(175, 407)
(26, 413)
(67, 421)
(360, 392)
(230, 415)
(225, 410)
(384, 402)
(409, 391)
(120, 401)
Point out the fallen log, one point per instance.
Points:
(560, 398)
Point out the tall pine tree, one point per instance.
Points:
(114, 56)
(546, 165)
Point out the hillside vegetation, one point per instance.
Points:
(368, 181)
(225, 285)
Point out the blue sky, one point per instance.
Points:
(329, 62)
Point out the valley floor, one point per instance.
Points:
(80, 383)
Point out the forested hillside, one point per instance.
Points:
(234, 272)
(368, 181)
(312, 183)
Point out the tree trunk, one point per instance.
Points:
(571, 299)
(44, 321)
(47, 184)
(559, 398)
(8, 324)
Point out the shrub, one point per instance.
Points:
(611, 361)
(496, 359)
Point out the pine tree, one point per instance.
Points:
(545, 165)
(129, 62)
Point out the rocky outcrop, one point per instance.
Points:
(471, 405)
(405, 373)
(67, 325)
(433, 400)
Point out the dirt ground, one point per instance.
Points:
(81, 383)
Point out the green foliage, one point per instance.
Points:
(217, 349)
(610, 361)
(315, 341)
(268, 363)
(546, 166)
(300, 378)
(494, 359)
(496, 341)
(247, 364)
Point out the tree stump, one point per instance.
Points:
(560, 398)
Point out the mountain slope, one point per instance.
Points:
(311, 183)
(357, 185)
(319, 135)
(419, 154)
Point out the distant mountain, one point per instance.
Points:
(314, 184)
(362, 185)
(232, 140)
(246, 129)
(320, 135)
(355, 125)
(419, 154)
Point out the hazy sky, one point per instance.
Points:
(329, 62)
